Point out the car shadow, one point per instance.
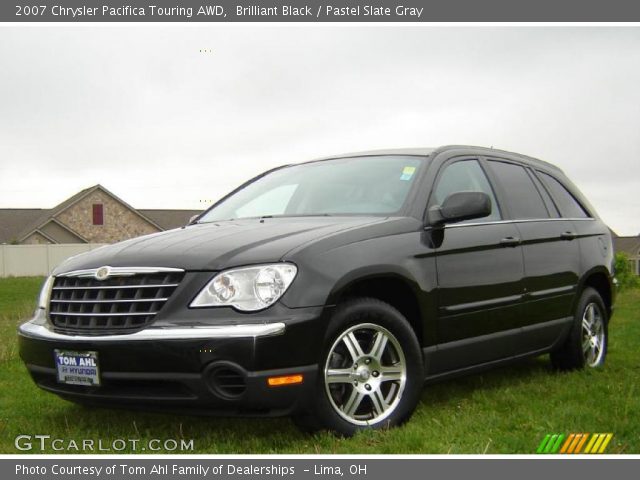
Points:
(217, 434)
(210, 433)
(459, 387)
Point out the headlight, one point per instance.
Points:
(45, 293)
(248, 288)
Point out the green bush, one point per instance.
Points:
(624, 272)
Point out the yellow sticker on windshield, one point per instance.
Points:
(407, 173)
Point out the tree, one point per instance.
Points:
(624, 272)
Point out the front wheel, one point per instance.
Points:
(586, 345)
(371, 372)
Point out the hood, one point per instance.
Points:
(214, 246)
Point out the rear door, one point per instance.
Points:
(551, 254)
(480, 273)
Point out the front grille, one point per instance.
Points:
(82, 305)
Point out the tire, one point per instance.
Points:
(586, 345)
(371, 371)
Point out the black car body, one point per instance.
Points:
(491, 257)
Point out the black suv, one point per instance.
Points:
(331, 290)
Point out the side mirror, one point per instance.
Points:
(193, 217)
(460, 206)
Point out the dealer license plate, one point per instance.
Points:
(77, 368)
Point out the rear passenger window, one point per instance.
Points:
(551, 207)
(522, 197)
(465, 176)
(567, 204)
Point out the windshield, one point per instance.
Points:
(347, 186)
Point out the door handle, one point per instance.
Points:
(567, 235)
(510, 242)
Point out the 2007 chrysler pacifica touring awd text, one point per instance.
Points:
(332, 290)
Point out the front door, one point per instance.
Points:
(480, 277)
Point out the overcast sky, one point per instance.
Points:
(162, 124)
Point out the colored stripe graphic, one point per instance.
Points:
(606, 442)
(581, 443)
(574, 443)
(551, 443)
(567, 443)
(596, 446)
(594, 437)
(598, 443)
(543, 443)
(557, 444)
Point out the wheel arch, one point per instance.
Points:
(600, 280)
(390, 286)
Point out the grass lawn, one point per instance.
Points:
(503, 411)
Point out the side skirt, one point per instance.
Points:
(442, 361)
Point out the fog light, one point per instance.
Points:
(284, 380)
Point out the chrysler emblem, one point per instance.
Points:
(103, 273)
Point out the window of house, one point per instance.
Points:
(522, 197)
(98, 214)
(569, 206)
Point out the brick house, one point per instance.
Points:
(94, 215)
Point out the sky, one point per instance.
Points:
(170, 116)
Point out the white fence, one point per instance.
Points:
(38, 260)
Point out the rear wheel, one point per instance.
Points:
(371, 371)
(586, 345)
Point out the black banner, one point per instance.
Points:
(127, 468)
(320, 11)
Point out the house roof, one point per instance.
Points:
(52, 220)
(46, 215)
(629, 245)
(169, 219)
(55, 211)
(16, 224)
(13, 220)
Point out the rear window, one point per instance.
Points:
(567, 204)
(522, 197)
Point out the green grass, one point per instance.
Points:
(18, 298)
(503, 411)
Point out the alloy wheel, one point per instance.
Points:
(365, 374)
(592, 335)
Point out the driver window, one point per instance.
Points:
(465, 176)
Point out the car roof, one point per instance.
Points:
(422, 152)
(425, 152)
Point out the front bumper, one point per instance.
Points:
(196, 368)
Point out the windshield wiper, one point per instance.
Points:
(297, 216)
(262, 217)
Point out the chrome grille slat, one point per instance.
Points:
(93, 314)
(116, 287)
(164, 299)
(120, 304)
